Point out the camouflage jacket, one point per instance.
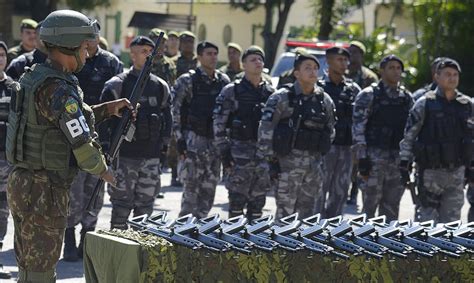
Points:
(183, 65)
(17, 65)
(362, 112)
(16, 51)
(363, 77)
(278, 108)
(231, 73)
(226, 107)
(420, 92)
(416, 119)
(164, 68)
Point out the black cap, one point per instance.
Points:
(389, 58)
(254, 49)
(4, 46)
(142, 40)
(205, 44)
(338, 51)
(449, 63)
(303, 57)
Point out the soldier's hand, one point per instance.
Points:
(405, 169)
(365, 165)
(115, 108)
(109, 177)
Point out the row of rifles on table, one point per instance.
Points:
(337, 237)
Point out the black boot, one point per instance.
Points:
(3, 273)
(80, 248)
(70, 249)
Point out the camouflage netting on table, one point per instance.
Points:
(164, 261)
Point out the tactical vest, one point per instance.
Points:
(29, 144)
(145, 143)
(201, 107)
(250, 100)
(386, 124)
(343, 96)
(96, 71)
(306, 129)
(444, 140)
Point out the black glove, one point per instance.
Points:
(274, 168)
(365, 165)
(181, 146)
(226, 159)
(405, 170)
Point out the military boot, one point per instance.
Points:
(3, 273)
(80, 248)
(70, 249)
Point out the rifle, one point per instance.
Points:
(125, 129)
(413, 192)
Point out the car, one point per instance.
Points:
(316, 48)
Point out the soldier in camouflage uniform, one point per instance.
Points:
(163, 66)
(363, 77)
(297, 128)
(240, 106)
(234, 66)
(100, 66)
(6, 86)
(186, 60)
(337, 163)
(439, 137)
(60, 137)
(138, 173)
(28, 39)
(380, 114)
(194, 99)
(17, 66)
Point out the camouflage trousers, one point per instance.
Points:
(79, 195)
(247, 184)
(441, 194)
(138, 182)
(200, 173)
(299, 183)
(4, 171)
(336, 169)
(383, 189)
(38, 202)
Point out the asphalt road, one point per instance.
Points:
(73, 272)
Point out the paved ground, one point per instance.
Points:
(73, 272)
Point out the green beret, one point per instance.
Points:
(173, 33)
(235, 46)
(359, 45)
(28, 23)
(187, 33)
(156, 32)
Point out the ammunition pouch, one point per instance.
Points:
(201, 126)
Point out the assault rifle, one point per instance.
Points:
(125, 129)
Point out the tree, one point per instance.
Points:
(325, 25)
(271, 37)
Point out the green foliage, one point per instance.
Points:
(86, 4)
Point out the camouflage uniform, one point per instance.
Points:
(441, 178)
(337, 163)
(231, 73)
(165, 68)
(138, 172)
(201, 168)
(378, 121)
(16, 51)
(300, 178)
(183, 64)
(286, 77)
(420, 92)
(363, 77)
(5, 94)
(17, 66)
(38, 197)
(239, 105)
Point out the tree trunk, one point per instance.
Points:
(6, 11)
(325, 22)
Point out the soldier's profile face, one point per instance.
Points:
(208, 58)
(447, 78)
(3, 59)
(307, 72)
(253, 64)
(138, 54)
